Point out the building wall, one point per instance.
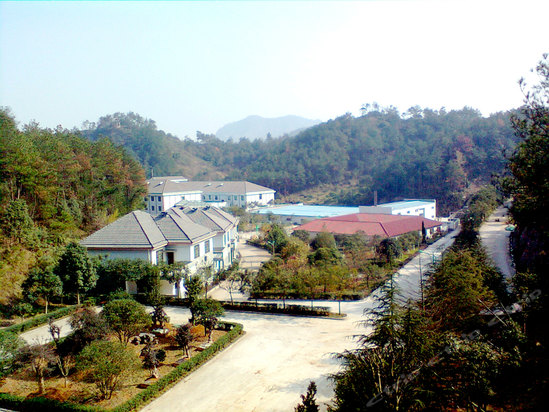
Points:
(148, 255)
(260, 198)
(158, 202)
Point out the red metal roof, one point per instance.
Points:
(370, 223)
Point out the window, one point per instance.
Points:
(241, 197)
(160, 198)
(260, 196)
(210, 197)
(196, 251)
(160, 208)
(207, 246)
(170, 257)
(152, 208)
(215, 197)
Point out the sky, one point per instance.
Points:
(198, 65)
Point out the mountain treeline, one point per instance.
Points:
(420, 153)
(160, 153)
(56, 186)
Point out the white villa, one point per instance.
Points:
(201, 237)
(166, 191)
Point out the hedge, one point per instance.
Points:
(41, 319)
(302, 310)
(18, 403)
(138, 401)
(306, 295)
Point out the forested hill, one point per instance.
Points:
(420, 153)
(56, 186)
(158, 152)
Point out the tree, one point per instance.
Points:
(77, 270)
(389, 249)
(10, 345)
(43, 283)
(65, 359)
(376, 376)
(276, 238)
(193, 285)
(126, 317)
(16, 222)
(184, 337)
(40, 358)
(308, 401)
(106, 364)
(159, 317)
(87, 326)
(152, 358)
(324, 239)
(207, 313)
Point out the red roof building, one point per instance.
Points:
(371, 224)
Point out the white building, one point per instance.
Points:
(408, 207)
(167, 191)
(201, 238)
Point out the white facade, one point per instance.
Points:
(411, 207)
(166, 192)
(157, 203)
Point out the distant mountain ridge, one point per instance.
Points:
(257, 127)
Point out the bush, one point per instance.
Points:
(10, 344)
(126, 317)
(105, 363)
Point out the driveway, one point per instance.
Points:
(251, 257)
(272, 364)
(495, 240)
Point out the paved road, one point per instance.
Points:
(251, 257)
(269, 367)
(495, 239)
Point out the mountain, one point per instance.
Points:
(257, 127)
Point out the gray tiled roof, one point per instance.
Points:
(177, 227)
(211, 217)
(169, 184)
(136, 230)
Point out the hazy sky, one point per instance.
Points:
(199, 65)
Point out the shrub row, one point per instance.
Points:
(138, 401)
(40, 319)
(18, 403)
(288, 309)
(306, 295)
